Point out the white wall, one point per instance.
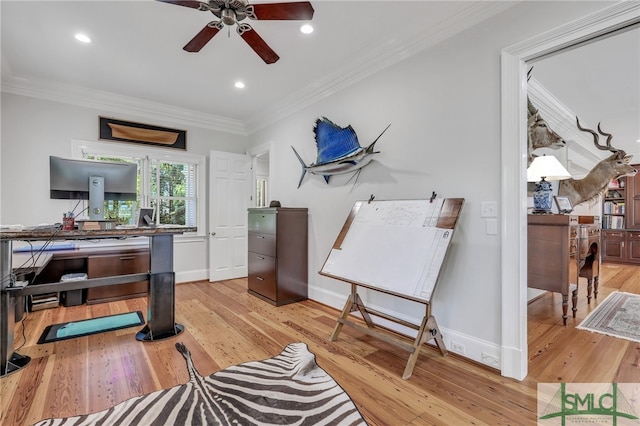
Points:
(33, 129)
(444, 110)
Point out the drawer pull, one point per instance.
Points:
(127, 258)
(260, 257)
(260, 278)
(260, 236)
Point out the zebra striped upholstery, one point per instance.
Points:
(288, 389)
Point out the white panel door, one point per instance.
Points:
(229, 196)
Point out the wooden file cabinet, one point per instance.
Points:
(277, 256)
(117, 264)
(562, 248)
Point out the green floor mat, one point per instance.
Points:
(70, 330)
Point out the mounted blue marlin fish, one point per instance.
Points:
(339, 151)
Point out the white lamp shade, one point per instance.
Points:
(547, 167)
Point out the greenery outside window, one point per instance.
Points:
(171, 183)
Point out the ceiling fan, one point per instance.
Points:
(230, 12)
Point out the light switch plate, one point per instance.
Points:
(489, 209)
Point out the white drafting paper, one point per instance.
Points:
(393, 245)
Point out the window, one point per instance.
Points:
(261, 192)
(169, 182)
(173, 192)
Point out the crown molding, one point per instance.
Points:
(107, 101)
(371, 62)
(377, 58)
(562, 120)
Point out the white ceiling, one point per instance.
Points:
(137, 53)
(600, 83)
(136, 62)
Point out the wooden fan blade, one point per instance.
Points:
(283, 11)
(202, 38)
(259, 45)
(186, 3)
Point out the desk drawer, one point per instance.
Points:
(613, 234)
(117, 264)
(262, 243)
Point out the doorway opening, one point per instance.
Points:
(514, 356)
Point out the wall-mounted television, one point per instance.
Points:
(96, 181)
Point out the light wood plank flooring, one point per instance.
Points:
(226, 326)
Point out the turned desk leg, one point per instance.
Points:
(589, 289)
(574, 301)
(565, 307)
(595, 286)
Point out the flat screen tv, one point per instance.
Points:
(96, 181)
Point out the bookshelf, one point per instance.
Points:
(614, 205)
(621, 220)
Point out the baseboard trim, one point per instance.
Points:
(478, 350)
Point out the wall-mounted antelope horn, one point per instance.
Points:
(608, 135)
(596, 181)
(596, 139)
(531, 110)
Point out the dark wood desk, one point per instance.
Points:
(161, 305)
(561, 249)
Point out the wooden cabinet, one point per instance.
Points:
(561, 249)
(613, 245)
(632, 187)
(122, 263)
(621, 221)
(277, 254)
(97, 263)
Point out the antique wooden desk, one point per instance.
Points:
(161, 300)
(561, 249)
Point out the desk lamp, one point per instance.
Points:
(542, 170)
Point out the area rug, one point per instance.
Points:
(70, 330)
(618, 316)
(288, 389)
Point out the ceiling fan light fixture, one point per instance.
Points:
(306, 29)
(228, 16)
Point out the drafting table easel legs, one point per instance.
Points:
(433, 332)
(427, 330)
(353, 302)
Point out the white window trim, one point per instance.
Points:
(78, 149)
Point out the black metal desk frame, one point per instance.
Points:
(161, 300)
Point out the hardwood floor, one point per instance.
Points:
(225, 326)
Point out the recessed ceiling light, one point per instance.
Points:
(83, 38)
(306, 29)
(239, 85)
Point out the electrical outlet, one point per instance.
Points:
(489, 360)
(457, 348)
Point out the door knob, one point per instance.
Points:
(213, 233)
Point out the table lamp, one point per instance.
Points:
(542, 170)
